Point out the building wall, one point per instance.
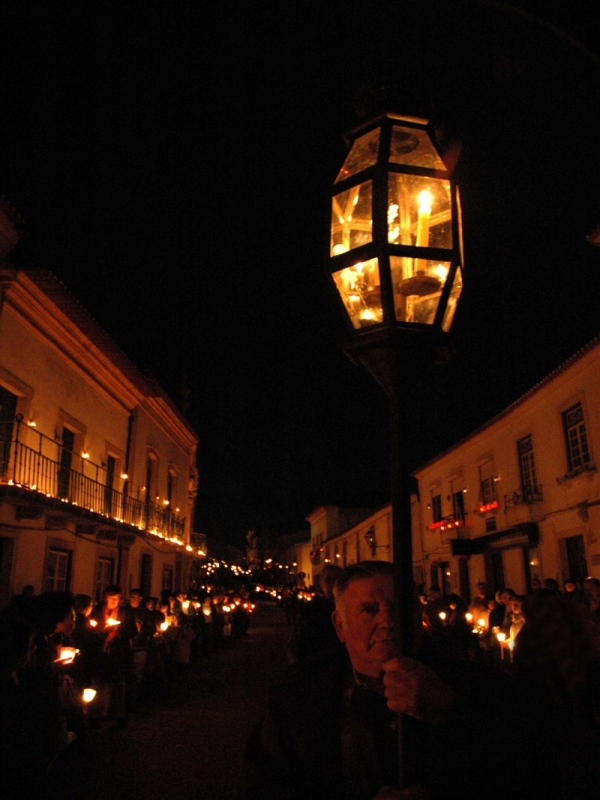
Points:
(67, 374)
(564, 505)
(351, 546)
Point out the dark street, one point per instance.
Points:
(190, 745)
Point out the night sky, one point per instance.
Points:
(172, 165)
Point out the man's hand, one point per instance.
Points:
(415, 689)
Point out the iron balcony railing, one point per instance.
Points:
(534, 494)
(452, 521)
(90, 486)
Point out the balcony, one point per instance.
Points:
(452, 526)
(524, 496)
(90, 487)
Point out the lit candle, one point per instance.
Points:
(442, 615)
(423, 227)
(93, 623)
(88, 695)
(110, 622)
(423, 218)
(66, 655)
(469, 617)
(164, 626)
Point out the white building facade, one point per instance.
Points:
(518, 501)
(97, 467)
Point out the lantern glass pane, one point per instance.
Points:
(417, 285)
(360, 290)
(457, 285)
(419, 211)
(363, 154)
(352, 218)
(413, 147)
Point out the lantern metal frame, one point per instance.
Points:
(379, 247)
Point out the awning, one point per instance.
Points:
(525, 535)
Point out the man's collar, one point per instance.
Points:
(374, 685)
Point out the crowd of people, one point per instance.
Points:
(70, 665)
(473, 722)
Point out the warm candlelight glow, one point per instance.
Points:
(501, 637)
(442, 615)
(469, 617)
(423, 218)
(88, 695)
(111, 622)
(66, 655)
(93, 623)
(164, 626)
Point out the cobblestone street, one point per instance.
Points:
(189, 746)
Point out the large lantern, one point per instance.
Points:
(395, 248)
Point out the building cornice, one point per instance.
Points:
(42, 303)
(552, 376)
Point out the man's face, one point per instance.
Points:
(134, 600)
(111, 601)
(365, 623)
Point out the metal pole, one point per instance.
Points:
(404, 591)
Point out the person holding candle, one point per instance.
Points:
(114, 631)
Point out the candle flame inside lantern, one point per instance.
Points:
(425, 202)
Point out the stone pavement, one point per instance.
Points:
(188, 746)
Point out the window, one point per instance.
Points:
(8, 408)
(146, 574)
(167, 579)
(458, 506)
(66, 462)
(436, 507)
(578, 455)
(104, 576)
(109, 508)
(487, 480)
(6, 560)
(527, 468)
(58, 570)
(171, 476)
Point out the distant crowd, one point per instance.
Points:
(69, 666)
